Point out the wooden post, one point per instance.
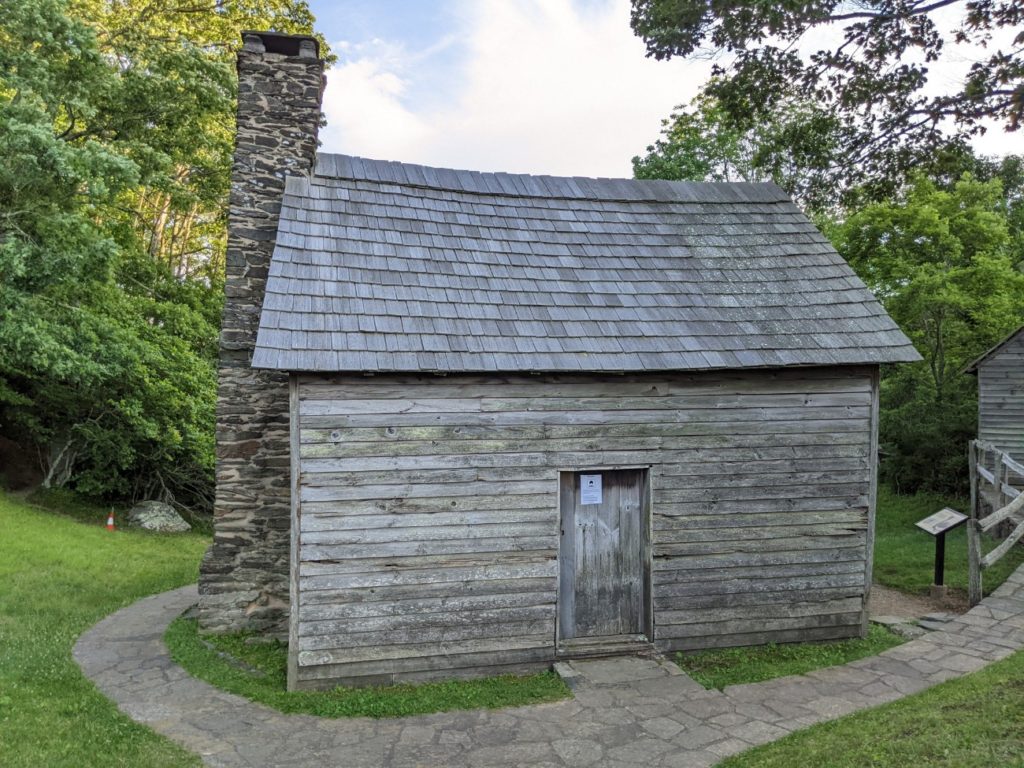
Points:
(1004, 481)
(869, 553)
(973, 534)
(996, 474)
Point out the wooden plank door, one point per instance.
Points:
(602, 568)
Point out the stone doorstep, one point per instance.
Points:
(899, 625)
(615, 670)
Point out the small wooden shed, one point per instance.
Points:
(537, 417)
(1000, 373)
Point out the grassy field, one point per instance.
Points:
(733, 666)
(974, 722)
(57, 578)
(905, 555)
(259, 673)
(59, 575)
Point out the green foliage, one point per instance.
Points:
(116, 127)
(941, 262)
(737, 666)
(258, 671)
(867, 65)
(973, 722)
(924, 437)
(57, 578)
(905, 555)
(707, 143)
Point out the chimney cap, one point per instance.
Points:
(287, 45)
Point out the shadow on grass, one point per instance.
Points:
(240, 664)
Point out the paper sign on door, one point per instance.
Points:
(590, 489)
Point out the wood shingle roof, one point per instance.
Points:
(384, 266)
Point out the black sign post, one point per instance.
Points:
(938, 525)
(940, 559)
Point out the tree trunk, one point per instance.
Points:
(60, 463)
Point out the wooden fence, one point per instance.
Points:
(994, 475)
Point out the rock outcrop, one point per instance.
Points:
(157, 516)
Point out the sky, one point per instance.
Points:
(529, 86)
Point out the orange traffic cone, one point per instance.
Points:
(110, 521)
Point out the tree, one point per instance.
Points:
(105, 366)
(874, 79)
(942, 261)
(115, 129)
(173, 114)
(797, 149)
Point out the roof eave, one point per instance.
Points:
(972, 367)
(257, 364)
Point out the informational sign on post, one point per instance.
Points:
(942, 521)
(938, 525)
(590, 489)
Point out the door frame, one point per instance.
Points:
(564, 597)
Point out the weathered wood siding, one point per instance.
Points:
(1001, 398)
(428, 513)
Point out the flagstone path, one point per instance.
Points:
(623, 713)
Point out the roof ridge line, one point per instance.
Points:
(502, 184)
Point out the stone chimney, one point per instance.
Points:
(243, 582)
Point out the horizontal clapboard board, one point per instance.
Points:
(428, 511)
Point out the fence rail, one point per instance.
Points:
(995, 485)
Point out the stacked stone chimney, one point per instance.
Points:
(243, 580)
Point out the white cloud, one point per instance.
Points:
(946, 74)
(538, 86)
(544, 86)
(364, 106)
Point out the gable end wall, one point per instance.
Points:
(427, 524)
(1001, 398)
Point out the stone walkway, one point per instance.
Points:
(620, 716)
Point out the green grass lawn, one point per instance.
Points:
(905, 555)
(974, 722)
(258, 672)
(57, 578)
(733, 666)
(59, 575)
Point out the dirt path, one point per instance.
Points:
(886, 601)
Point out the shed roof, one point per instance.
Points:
(384, 266)
(973, 366)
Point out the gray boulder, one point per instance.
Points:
(157, 516)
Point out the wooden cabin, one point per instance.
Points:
(1000, 373)
(535, 418)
